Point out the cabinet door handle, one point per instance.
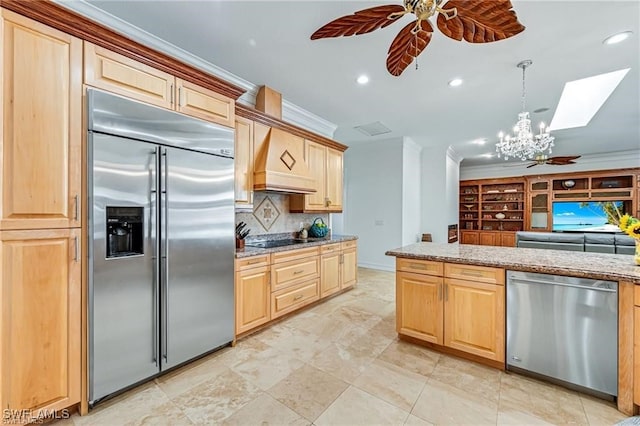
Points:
(76, 254)
(171, 95)
(179, 96)
(446, 292)
(253, 262)
(298, 297)
(298, 272)
(76, 211)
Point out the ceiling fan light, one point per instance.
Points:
(617, 38)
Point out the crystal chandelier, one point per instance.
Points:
(523, 144)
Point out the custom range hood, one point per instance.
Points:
(279, 163)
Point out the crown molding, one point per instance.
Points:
(454, 155)
(588, 162)
(290, 112)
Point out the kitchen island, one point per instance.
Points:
(452, 299)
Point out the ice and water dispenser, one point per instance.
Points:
(125, 231)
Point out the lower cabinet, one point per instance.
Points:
(488, 238)
(268, 286)
(40, 320)
(457, 306)
(253, 293)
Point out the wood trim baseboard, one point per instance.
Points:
(56, 16)
(260, 117)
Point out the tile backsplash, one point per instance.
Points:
(271, 215)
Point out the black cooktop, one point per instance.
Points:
(275, 243)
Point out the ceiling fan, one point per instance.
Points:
(553, 161)
(477, 21)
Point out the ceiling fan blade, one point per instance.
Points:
(480, 21)
(361, 22)
(532, 164)
(561, 161)
(408, 45)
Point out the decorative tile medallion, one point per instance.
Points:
(266, 213)
(288, 159)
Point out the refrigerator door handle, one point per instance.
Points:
(153, 211)
(165, 250)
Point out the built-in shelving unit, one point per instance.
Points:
(527, 202)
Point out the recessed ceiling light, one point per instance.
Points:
(252, 42)
(581, 99)
(363, 79)
(480, 141)
(617, 38)
(455, 82)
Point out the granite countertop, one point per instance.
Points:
(613, 267)
(311, 242)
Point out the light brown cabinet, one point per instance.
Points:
(40, 319)
(244, 163)
(348, 264)
(269, 286)
(453, 305)
(330, 270)
(118, 74)
(326, 168)
(40, 152)
(252, 292)
(488, 238)
(40, 209)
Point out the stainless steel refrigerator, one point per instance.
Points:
(161, 249)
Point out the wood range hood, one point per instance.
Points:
(279, 163)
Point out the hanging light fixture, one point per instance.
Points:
(523, 144)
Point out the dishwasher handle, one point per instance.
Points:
(584, 287)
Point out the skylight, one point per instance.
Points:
(581, 99)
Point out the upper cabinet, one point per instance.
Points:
(42, 126)
(244, 163)
(116, 73)
(326, 167)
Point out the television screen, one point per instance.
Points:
(583, 216)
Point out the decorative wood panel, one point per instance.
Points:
(42, 126)
(58, 17)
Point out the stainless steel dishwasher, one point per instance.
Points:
(565, 328)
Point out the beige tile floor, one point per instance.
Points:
(340, 363)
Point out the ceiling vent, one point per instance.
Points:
(373, 129)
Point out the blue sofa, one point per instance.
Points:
(587, 241)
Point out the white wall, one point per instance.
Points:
(373, 188)
(411, 178)
(452, 185)
(614, 160)
(433, 193)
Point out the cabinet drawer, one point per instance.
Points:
(426, 267)
(481, 274)
(330, 248)
(292, 298)
(285, 256)
(349, 244)
(285, 274)
(252, 262)
(636, 296)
